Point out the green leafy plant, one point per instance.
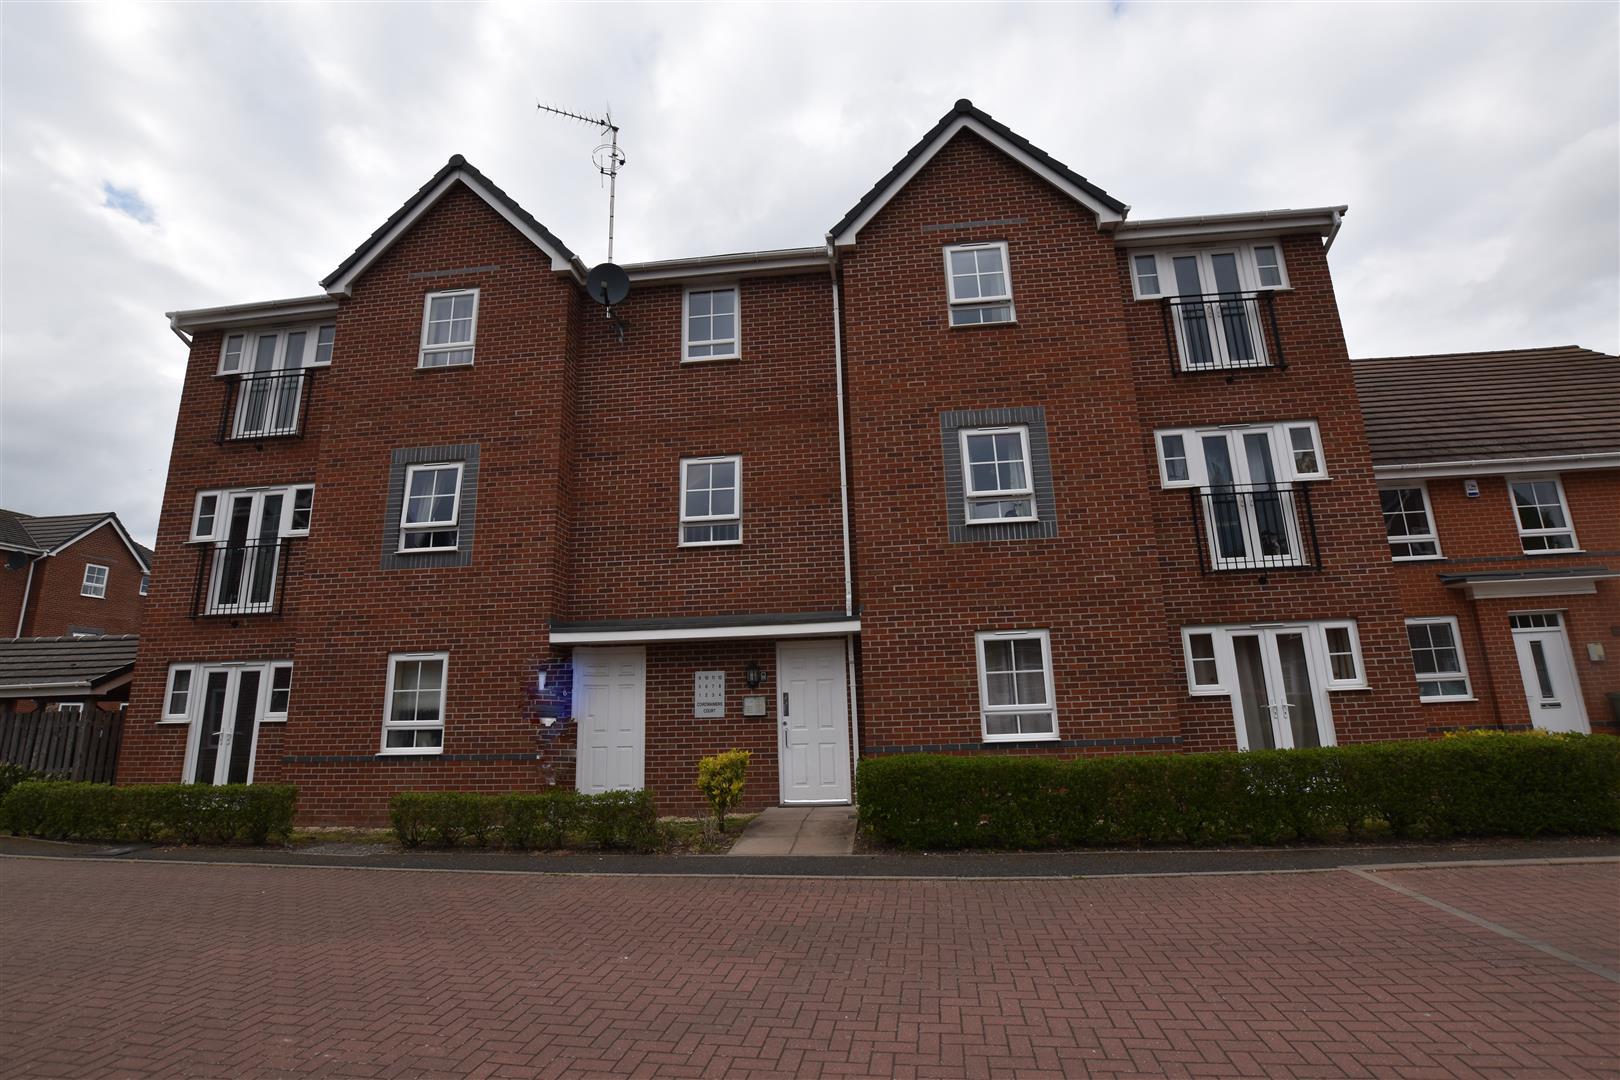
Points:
(189, 813)
(1500, 785)
(721, 778)
(626, 820)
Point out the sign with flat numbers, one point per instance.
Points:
(709, 695)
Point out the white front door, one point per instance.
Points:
(812, 702)
(224, 734)
(610, 714)
(1548, 669)
(1281, 698)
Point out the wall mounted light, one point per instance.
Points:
(753, 675)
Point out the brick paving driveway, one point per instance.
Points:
(121, 968)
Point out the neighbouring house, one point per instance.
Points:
(1499, 478)
(68, 674)
(994, 468)
(70, 575)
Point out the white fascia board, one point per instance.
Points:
(1106, 215)
(560, 262)
(1498, 466)
(755, 264)
(838, 628)
(263, 311)
(122, 535)
(1318, 221)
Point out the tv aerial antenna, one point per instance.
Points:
(607, 283)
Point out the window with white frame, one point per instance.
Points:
(1542, 514)
(1222, 268)
(1437, 657)
(997, 485)
(710, 327)
(979, 284)
(1333, 648)
(1238, 453)
(177, 697)
(449, 324)
(95, 581)
(711, 501)
(413, 717)
(324, 338)
(146, 583)
(1277, 676)
(1203, 668)
(431, 508)
(300, 511)
(1015, 686)
(283, 511)
(278, 695)
(269, 351)
(1409, 521)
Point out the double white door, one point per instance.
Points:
(1216, 326)
(224, 734)
(247, 562)
(1281, 700)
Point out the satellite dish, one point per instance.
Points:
(607, 284)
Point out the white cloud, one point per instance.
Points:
(1478, 147)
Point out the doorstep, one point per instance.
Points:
(799, 830)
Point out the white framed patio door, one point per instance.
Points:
(610, 716)
(1251, 522)
(271, 389)
(225, 734)
(812, 705)
(1547, 666)
(1214, 325)
(1280, 701)
(245, 566)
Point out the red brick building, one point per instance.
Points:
(993, 469)
(73, 575)
(1499, 475)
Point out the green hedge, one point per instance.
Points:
(624, 820)
(1504, 785)
(190, 813)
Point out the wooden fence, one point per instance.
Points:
(78, 746)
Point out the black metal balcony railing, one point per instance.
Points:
(241, 578)
(1222, 332)
(265, 405)
(1255, 527)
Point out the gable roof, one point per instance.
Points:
(64, 664)
(964, 116)
(49, 535)
(1518, 405)
(457, 170)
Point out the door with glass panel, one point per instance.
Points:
(223, 735)
(1548, 668)
(271, 391)
(246, 562)
(1280, 700)
(1252, 521)
(1216, 326)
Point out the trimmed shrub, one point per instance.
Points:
(720, 778)
(624, 820)
(1495, 785)
(539, 822)
(190, 813)
(408, 813)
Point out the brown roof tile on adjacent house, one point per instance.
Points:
(1521, 403)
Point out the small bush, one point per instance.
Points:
(720, 778)
(624, 820)
(408, 813)
(190, 813)
(539, 822)
(1495, 785)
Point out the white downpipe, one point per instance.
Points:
(28, 587)
(843, 456)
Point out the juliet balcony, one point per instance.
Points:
(238, 578)
(1222, 332)
(1255, 527)
(265, 405)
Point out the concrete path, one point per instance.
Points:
(799, 830)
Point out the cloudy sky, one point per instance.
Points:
(162, 157)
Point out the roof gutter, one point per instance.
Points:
(77, 684)
(1607, 459)
(1333, 233)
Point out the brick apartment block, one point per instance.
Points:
(994, 469)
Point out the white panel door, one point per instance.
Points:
(1548, 670)
(610, 711)
(812, 704)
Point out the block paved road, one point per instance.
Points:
(112, 968)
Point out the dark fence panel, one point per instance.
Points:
(80, 746)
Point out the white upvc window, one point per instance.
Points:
(430, 513)
(177, 695)
(449, 325)
(978, 281)
(95, 581)
(997, 485)
(1016, 699)
(278, 692)
(413, 710)
(711, 501)
(1240, 454)
(146, 583)
(1334, 647)
(1409, 521)
(1437, 657)
(1218, 268)
(276, 350)
(300, 508)
(286, 512)
(1277, 675)
(1542, 514)
(325, 336)
(1203, 663)
(711, 326)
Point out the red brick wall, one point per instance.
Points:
(13, 585)
(54, 601)
(1478, 534)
